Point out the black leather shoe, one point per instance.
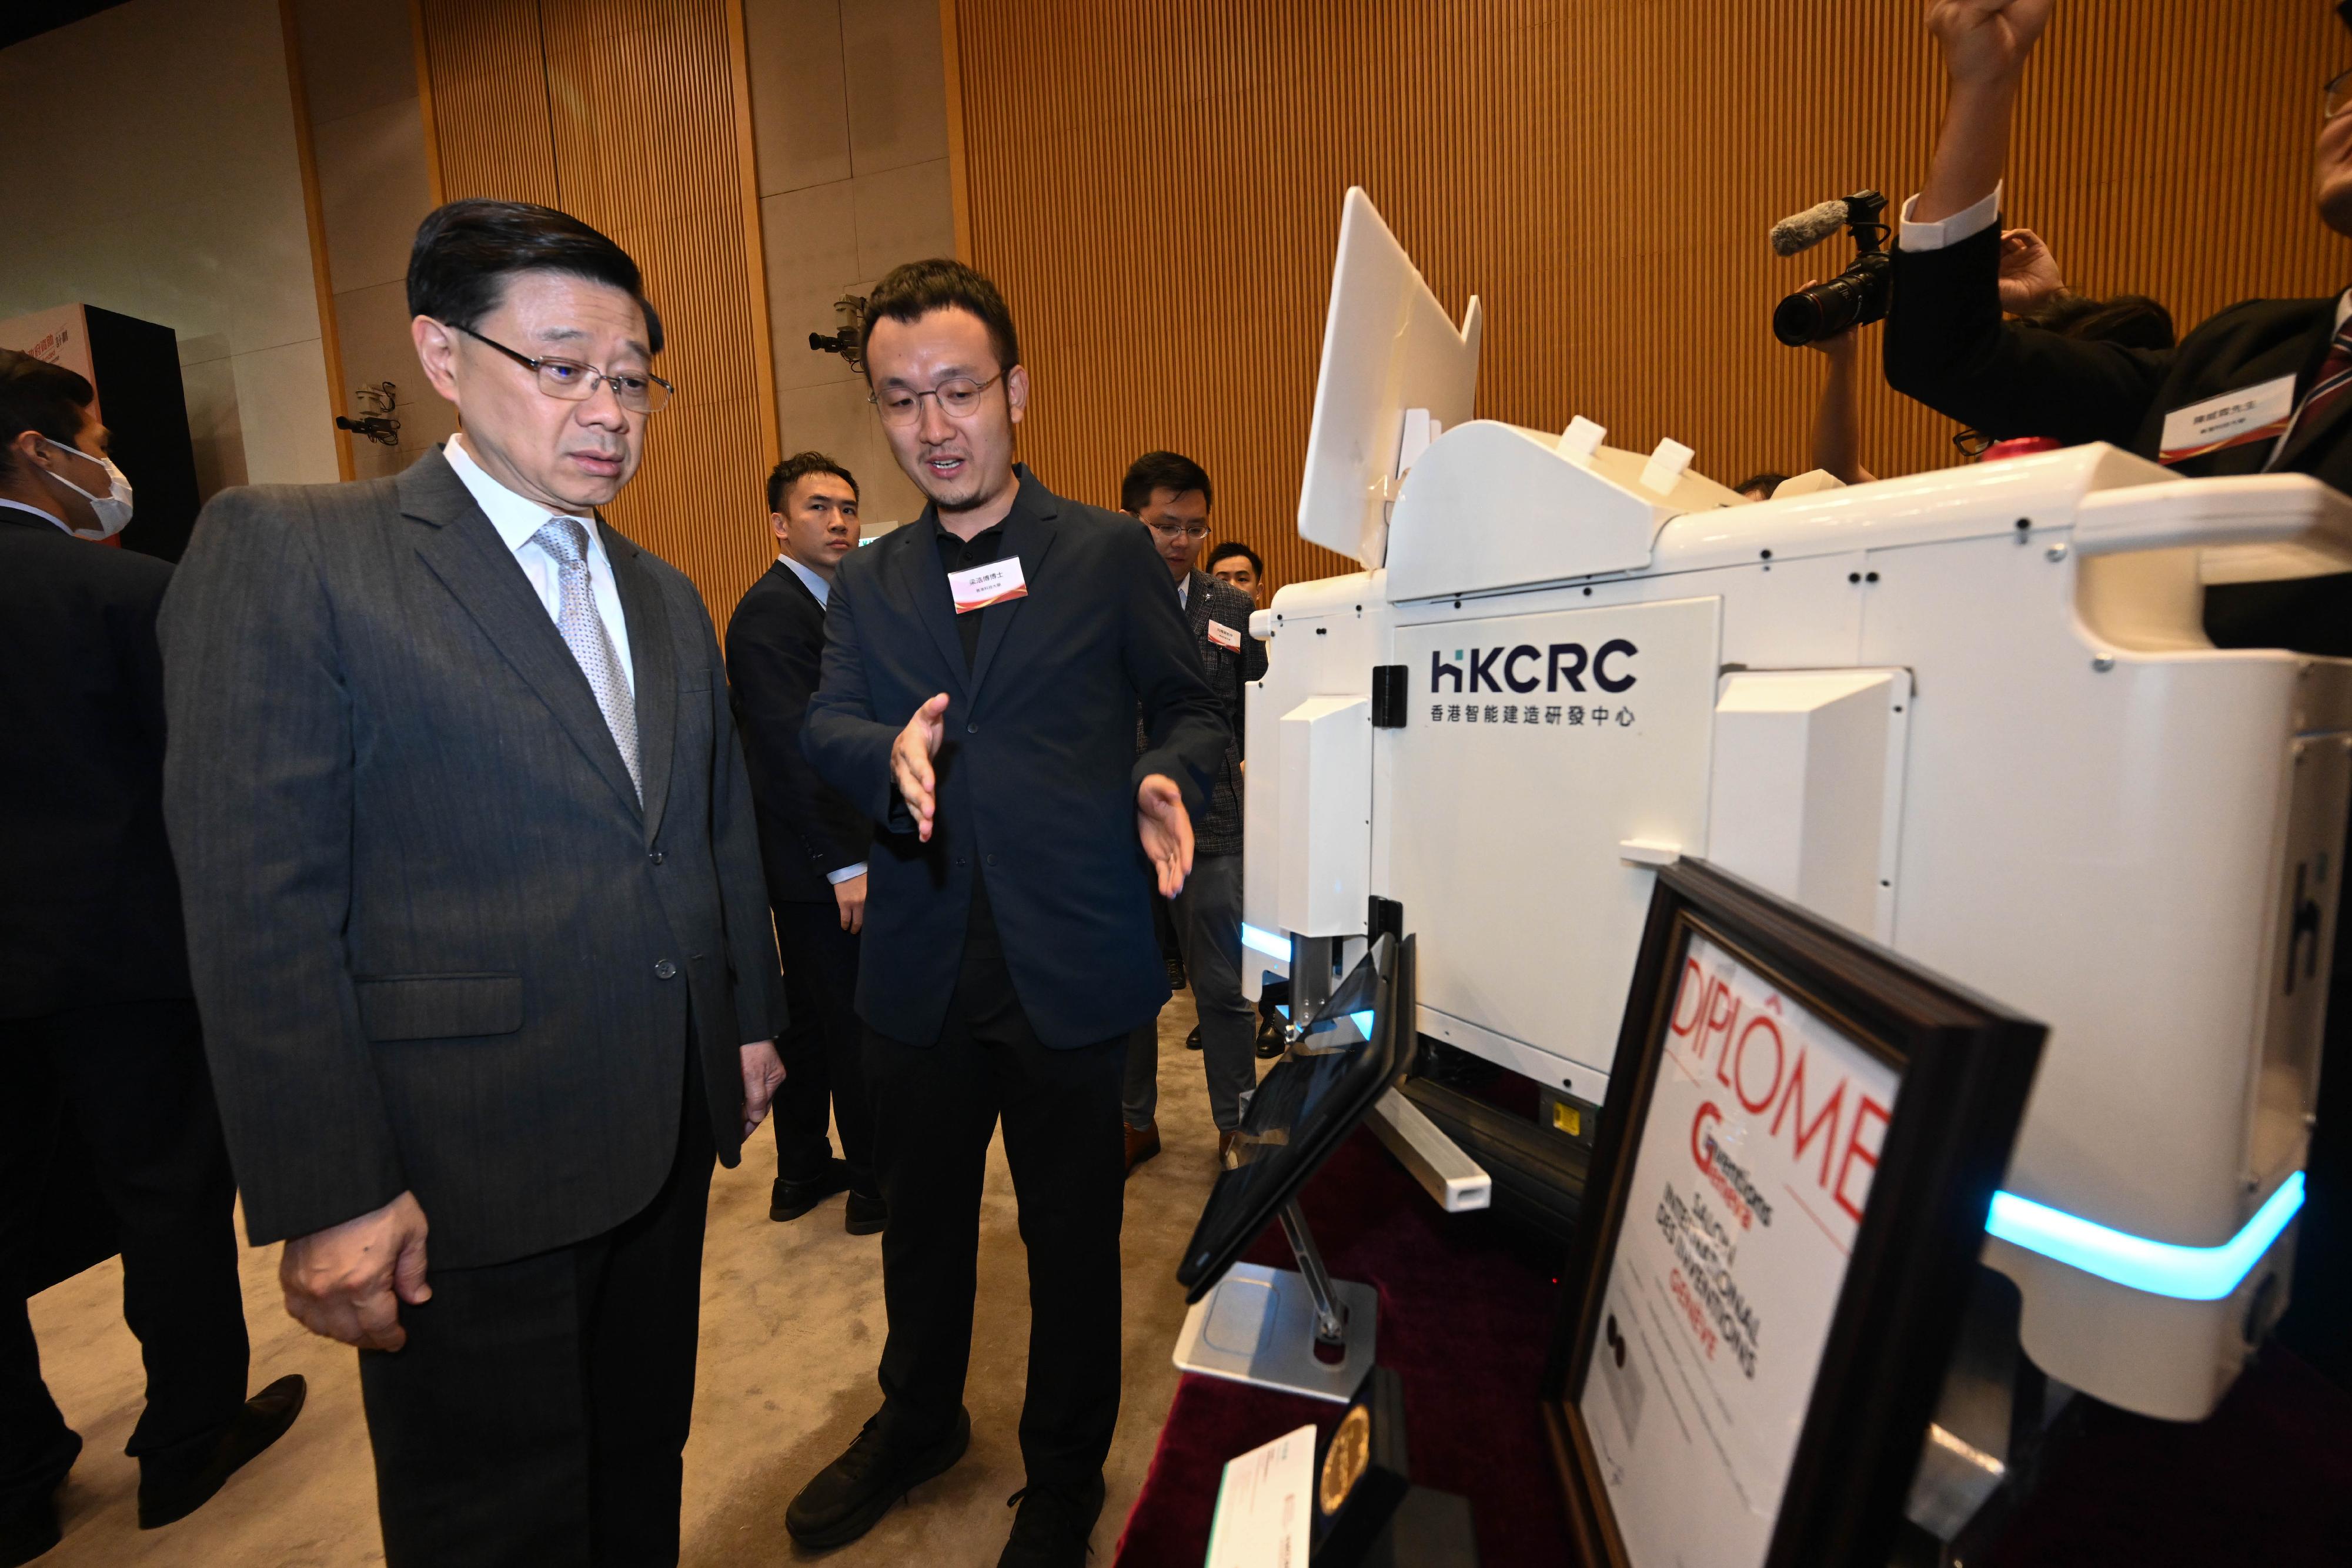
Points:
(176, 1483)
(1192, 1040)
(864, 1216)
(849, 1496)
(32, 1528)
(1053, 1526)
(788, 1199)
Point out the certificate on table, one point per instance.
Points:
(1266, 1505)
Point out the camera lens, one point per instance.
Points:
(1855, 298)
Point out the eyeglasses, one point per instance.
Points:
(572, 382)
(1973, 444)
(1180, 530)
(2337, 96)
(958, 395)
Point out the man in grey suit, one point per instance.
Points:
(475, 912)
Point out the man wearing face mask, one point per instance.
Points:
(98, 1027)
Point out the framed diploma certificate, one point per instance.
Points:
(1788, 1194)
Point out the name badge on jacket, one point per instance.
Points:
(977, 588)
(2259, 413)
(1225, 636)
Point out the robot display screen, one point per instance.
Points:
(1342, 1062)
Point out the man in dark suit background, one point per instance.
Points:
(813, 842)
(982, 670)
(2287, 362)
(97, 1024)
(475, 912)
(1171, 495)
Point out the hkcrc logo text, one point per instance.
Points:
(1523, 667)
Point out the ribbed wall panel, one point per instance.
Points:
(626, 114)
(1156, 185)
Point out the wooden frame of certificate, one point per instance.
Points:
(1787, 1196)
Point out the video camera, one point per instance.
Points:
(1855, 298)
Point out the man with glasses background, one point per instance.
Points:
(475, 913)
(2275, 372)
(984, 667)
(1170, 495)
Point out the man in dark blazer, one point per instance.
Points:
(97, 1024)
(813, 842)
(983, 666)
(2265, 386)
(475, 912)
(1170, 495)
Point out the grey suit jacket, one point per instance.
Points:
(436, 942)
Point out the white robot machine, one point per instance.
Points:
(1971, 715)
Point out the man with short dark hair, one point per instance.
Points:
(982, 670)
(97, 1029)
(476, 914)
(813, 842)
(1236, 566)
(1170, 495)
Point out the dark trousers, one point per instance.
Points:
(133, 1077)
(537, 1414)
(822, 1077)
(935, 1106)
(1208, 921)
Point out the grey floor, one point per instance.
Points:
(792, 1325)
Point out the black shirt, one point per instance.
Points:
(963, 555)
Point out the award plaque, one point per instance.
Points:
(1362, 1473)
(1787, 1199)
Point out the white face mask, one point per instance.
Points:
(113, 508)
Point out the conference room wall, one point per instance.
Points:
(1156, 186)
(151, 170)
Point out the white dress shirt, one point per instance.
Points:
(36, 511)
(1970, 220)
(517, 520)
(816, 585)
(824, 591)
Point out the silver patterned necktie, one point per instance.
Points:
(583, 632)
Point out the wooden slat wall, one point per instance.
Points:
(632, 115)
(1156, 184)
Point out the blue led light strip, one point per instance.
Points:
(2188, 1273)
(1266, 941)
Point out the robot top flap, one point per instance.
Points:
(1970, 714)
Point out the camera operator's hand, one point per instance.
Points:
(1839, 346)
(1984, 41)
(2028, 273)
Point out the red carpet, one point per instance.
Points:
(1466, 1306)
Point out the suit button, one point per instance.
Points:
(992, 860)
(971, 729)
(665, 971)
(656, 857)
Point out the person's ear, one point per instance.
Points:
(26, 449)
(776, 525)
(1016, 391)
(436, 352)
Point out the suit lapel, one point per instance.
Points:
(2309, 430)
(653, 660)
(1029, 533)
(461, 550)
(915, 562)
(1196, 605)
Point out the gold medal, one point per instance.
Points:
(1351, 1449)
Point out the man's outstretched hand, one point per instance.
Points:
(1986, 39)
(346, 1282)
(1166, 830)
(910, 762)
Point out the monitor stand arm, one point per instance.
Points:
(1330, 1317)
(1302, 1331)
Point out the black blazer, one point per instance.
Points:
(1948, 347)
(438, 943)
(89, 906)
(775, 646)
(1037, 774)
